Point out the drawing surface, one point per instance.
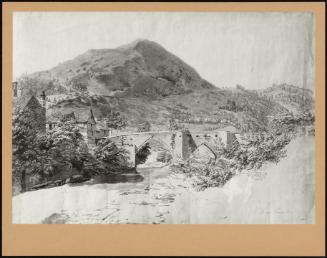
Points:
(163, 118)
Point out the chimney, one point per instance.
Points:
(43, 96)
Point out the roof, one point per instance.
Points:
(68, 117)
(21, 102)
(33, 102)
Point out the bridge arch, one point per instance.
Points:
(152, 150)
(156, 139)
(204, 151)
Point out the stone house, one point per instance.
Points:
(91, 129)
(95, 131)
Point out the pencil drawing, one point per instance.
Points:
(134, 133)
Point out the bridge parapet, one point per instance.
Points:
(181, 144)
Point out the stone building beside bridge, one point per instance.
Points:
(90, 128)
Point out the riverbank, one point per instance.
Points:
(280, 193)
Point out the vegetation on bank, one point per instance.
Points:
(250, 152)
(45, 156)
(58, 154)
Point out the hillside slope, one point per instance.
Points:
(145, 82)
(293, 98)
(142, 68)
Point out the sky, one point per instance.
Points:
(254, 50)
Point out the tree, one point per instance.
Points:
(65, 144)
(43, 154)
(254, 150)
(145, 127)
(26, 154)
(232, 105)
(106, 151)
(114, 120)
(288, 123)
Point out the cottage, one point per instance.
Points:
(95, 131)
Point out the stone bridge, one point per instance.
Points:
(180, 144)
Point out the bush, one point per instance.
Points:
(108, 153)
(289, 123)
(44, 155)
(252, 151)
(215, 174)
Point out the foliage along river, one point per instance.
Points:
(284, 195)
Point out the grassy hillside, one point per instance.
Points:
(293, 98)
(142, 68)
(205, 109)
(145, 82)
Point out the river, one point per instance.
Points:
(140, 198)
(283, 195)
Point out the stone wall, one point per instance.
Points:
(180, 143)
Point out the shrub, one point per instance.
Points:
(254, 150)
(214, 174)
(107, 152)
(250, 152)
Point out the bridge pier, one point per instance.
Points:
(184, 145)
(181, 144)
(131, 154)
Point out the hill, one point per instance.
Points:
(142, 68)
(293, 98)
(145, 82)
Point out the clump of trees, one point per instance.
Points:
(112, 156)
(213, 174)
(115, 120)
(26, 158)
(290, 123)
(250, 152)
(64, 145)
(45, 155)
